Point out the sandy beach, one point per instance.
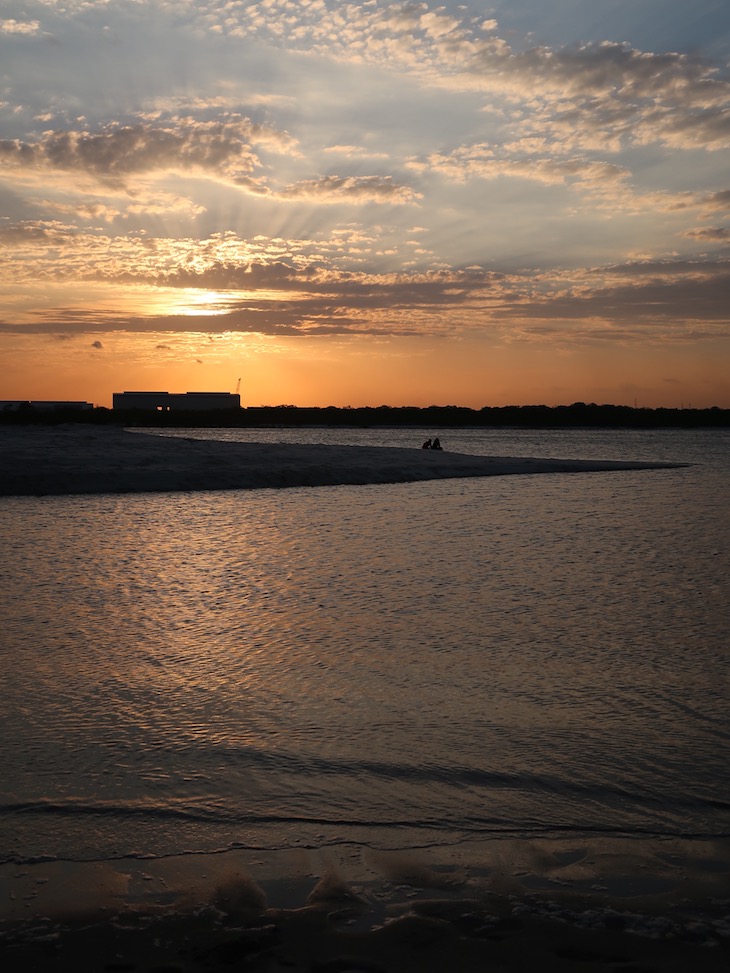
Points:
(47, 461)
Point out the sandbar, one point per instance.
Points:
(80, 459)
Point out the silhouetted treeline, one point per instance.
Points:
(433, 417)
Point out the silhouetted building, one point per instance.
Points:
(176, 401)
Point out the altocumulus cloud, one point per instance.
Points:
(597, 93)
(19, 27)
(354, 189)
(220, 148)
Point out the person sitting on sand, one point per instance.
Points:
(436, 444)
(427, 445)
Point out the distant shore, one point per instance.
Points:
(579, 415)
(77, 458)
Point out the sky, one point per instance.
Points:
(352, 204)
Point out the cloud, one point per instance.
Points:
(715, 234)
(351, 189)
(712, 202)
(34, 232)
(650, 300)
(146, 203)
(355, 152)
(116, 153)
(605, 97)
(27, 27)
(253, 276)
(662, 299)
(482, 161)
(605, 93)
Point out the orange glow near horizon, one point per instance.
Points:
(304, 372)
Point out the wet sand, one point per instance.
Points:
(523, 906)
(47, 461)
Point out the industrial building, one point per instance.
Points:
(176, 401)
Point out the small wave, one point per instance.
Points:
(309, 767)
(470, 825)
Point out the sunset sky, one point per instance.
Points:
(368, 203)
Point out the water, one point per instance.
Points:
(402, 666)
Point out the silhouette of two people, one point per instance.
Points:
(432, 444)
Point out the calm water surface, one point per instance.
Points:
(394, 665)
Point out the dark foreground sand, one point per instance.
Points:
(435, 938)
(552, 911)
(40, 461)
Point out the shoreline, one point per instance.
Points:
(73, 459)
(611, 905)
